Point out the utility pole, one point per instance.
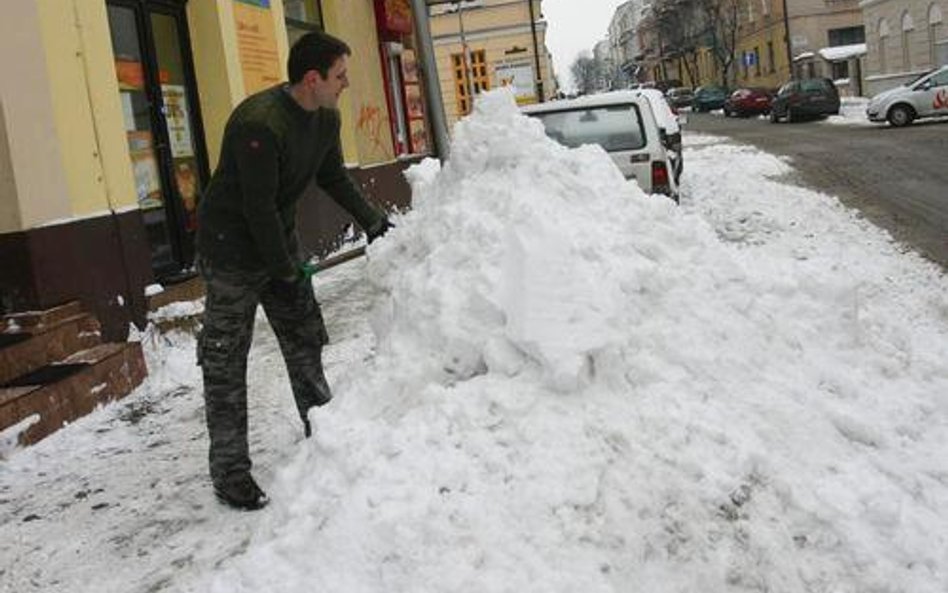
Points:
(538, 79)
(429, 71)
(466, 57)
(786, 39)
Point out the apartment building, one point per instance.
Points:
(904, 39)
(485, 44)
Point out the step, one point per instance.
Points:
(49, 340)
(188, 289)
(59, 393)
(28, 321)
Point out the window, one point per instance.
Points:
(883, 35)
(614, 127)
(302, 16)
(846, 36)
(771, 57)
(468, 81)
(907, 27)
(934, 33)
(840, 70)
(757, 61)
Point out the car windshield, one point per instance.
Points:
(614, 127)
(814, 85)
(919, 77)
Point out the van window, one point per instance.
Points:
(614, 127)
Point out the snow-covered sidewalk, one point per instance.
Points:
(546, 381)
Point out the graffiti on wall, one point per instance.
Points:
(371, 126)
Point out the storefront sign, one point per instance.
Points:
(520, 77)
(394, 16)
(177, 120)
(256, 44)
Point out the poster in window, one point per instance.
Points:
(520, 77)
(177, 120)
(185, 177)
(144, 170)
(256, 45)
(416, 105)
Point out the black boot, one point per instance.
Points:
(307, 429)
(241, 492)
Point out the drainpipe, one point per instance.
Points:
(786, 39)
(429, 70)
(536, 53)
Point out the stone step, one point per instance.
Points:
(42, 401)
(50, 340)
(34, 321)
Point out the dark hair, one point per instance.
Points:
(314, 51)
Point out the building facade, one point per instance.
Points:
(904, 39)
(484, 44)
(111, 119)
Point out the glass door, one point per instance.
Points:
(162, 124)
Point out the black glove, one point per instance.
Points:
(379, 230)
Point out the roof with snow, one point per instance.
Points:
(843, 52)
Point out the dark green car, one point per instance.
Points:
(709, 97)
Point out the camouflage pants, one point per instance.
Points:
(223, 346)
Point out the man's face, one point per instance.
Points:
(326, 91)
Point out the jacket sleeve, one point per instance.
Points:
(256, 153)
(333, 178)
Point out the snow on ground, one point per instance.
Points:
(546, 381)
(852, 112)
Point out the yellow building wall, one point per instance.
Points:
(366, 127)
(35, 188)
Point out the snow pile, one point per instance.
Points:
(578, 387)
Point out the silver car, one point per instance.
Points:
(926, 96)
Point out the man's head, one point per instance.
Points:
(317, 69)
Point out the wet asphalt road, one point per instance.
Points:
(897, 177)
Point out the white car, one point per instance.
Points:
(625, 125)
(926, 96)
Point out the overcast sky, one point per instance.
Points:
(575, 26)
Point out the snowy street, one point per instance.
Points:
(544, 381)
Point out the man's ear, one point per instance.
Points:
(313, 76)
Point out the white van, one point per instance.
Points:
(926, 96)
(623, 123)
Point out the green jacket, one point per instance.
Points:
(272, 149)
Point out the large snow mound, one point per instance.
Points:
(579, 387)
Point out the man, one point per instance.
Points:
(275, 143)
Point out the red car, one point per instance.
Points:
(748, 101)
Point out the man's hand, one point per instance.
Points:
(379, 230)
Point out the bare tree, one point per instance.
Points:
(585, 73)
(723, 22)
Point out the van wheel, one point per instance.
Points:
(901, 115)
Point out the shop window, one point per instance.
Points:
(302, 17)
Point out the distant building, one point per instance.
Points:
(904, 38)
(484, 44)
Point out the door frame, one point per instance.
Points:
(182, 243)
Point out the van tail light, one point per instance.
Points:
(660, 181)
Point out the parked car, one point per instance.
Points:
(669, 128)
(709, 97)
(680, 97)
(926, 96)
(624, 124)
(748, 101)
(810, 97)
